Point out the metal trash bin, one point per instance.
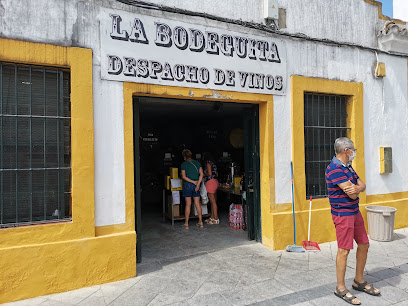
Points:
(380, 222)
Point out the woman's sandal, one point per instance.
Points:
(343, 296)
(362, 287)
(200, 225)
(214, 221)
(184, 226)
(208, 220)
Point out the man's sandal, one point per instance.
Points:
(362, 287)
(343, 296)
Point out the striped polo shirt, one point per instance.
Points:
(341, 203)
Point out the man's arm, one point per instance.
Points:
(353, 190)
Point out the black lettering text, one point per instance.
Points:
(243, 76)
(130, 66)
(142, 68)
(155, 68)
(226, 45)
(197, 42)
(116, 32)
(115, 65)
(219, 77)
(167, 74)
(179, 72)
(191, 74)
(230, 78)
(212, 43)
(263, 49)
(274, 54)
(241, 46)
(204, 75)
(269, 81)
(180, 38)
(278, 82)
(163, 35)
(138, 33)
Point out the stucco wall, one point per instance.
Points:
(348, 19)
(75, 23)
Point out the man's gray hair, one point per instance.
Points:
(341, 143)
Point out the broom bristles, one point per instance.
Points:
(295, 248)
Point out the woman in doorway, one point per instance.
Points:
(211, 184)
(192, 175)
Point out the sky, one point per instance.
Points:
(386, 7)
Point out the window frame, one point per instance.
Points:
(79, 61)
(355, 120)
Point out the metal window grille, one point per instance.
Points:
(35, 171)
(325, 120)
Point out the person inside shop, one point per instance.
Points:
(192, 175)
(211, 184)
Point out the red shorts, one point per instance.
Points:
(349, 228)
(211, 186)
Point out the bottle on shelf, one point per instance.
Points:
(242, 183)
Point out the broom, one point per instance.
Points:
(294, 247)
(310, 245)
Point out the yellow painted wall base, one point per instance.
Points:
(34, 270)
(322, 228)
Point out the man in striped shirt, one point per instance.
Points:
(344, 187)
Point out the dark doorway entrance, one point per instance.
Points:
(164, 127)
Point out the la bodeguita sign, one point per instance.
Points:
(146, 49)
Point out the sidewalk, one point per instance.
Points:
(250, 274)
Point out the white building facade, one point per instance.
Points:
(324, 48)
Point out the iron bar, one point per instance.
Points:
(35, 169)
(16, 100)
(35, 116)
(44, 148)
(58, 152)
(31, 149)
(1, 146)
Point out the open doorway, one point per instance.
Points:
(162, 129)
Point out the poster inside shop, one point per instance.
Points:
(145, 49)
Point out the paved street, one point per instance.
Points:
(242, 273)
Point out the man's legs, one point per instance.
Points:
(361, 256)
(341, 263)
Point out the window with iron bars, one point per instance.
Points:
(325, 120)
(35, 159)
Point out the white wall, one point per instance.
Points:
(400, 9)
(385, 115)
(348, 19)
(75, 23)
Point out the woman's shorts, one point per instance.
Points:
(211, 186)
(189, 190)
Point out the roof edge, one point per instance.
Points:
(381, 15)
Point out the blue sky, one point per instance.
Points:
(386, 7)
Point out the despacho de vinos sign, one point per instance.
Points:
(145, 49)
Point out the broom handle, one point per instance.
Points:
(293, 206)
(310, 218)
